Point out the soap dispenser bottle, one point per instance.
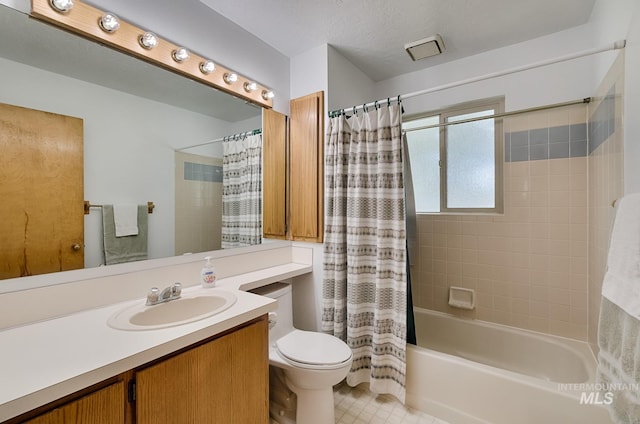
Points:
(208, 274)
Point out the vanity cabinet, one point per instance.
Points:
(306, 168)
(103, 406)
(224, 379)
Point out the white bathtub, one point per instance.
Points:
(472, 372)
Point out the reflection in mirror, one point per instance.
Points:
(219, 194)
(134, 117)
(198, 200)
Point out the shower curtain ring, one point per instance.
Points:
(388, 102)
(354, 110)
(376, 104)
(364, 108)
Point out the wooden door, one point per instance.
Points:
(274, 171)
(306, 168)
(41, 192)
(224, 381)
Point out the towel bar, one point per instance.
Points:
(88, 205)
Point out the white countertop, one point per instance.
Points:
(45, 361)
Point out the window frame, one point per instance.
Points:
(495, 103)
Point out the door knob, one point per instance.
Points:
(75, 246)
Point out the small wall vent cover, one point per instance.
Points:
(424, 48)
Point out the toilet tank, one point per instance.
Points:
(282, 322)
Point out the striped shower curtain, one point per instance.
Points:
(365, 281)
(242, 192)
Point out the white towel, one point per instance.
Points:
(619, 361)
(125, 218)
(621, 283)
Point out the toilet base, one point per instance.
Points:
(282, 401)
(278, 415)
(314, 406)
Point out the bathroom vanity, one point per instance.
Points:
(78, 369)
(223, 379)
(75, 367)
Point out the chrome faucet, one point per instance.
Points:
(155, 296)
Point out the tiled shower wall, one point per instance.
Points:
(605, 181)
(539, 266)
(529, 265)
(198, 181)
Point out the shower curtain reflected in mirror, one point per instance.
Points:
(242, 191)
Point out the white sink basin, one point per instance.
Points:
(189, 308)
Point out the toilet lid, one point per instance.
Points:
(308, 347)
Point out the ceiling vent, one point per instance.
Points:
(424, 48)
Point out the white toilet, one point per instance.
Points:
(311, 364)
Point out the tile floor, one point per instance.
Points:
(357, 405)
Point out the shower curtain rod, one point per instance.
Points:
(620, 44)
(225, 138)
(502, 115)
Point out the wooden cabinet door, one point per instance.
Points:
(105, 406)
(42, 190)
(306, 167)
(274, 171)
(223, 381)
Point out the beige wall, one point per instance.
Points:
(529, 265)
(540, 265)
(198, 207)
(605, 182)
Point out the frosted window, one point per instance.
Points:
(456, 166)
(471, 172)
(424, 157)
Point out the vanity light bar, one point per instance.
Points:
(107, 28)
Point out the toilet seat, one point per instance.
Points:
(307, 349)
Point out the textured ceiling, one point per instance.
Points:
(372, 33)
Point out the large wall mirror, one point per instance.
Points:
(135, 116)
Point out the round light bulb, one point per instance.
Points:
(250, 86)
(180, 54)
(61, 5)
(267, 94)
(148, 40)
(230, 78)
(109, 22)
(207, 67)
